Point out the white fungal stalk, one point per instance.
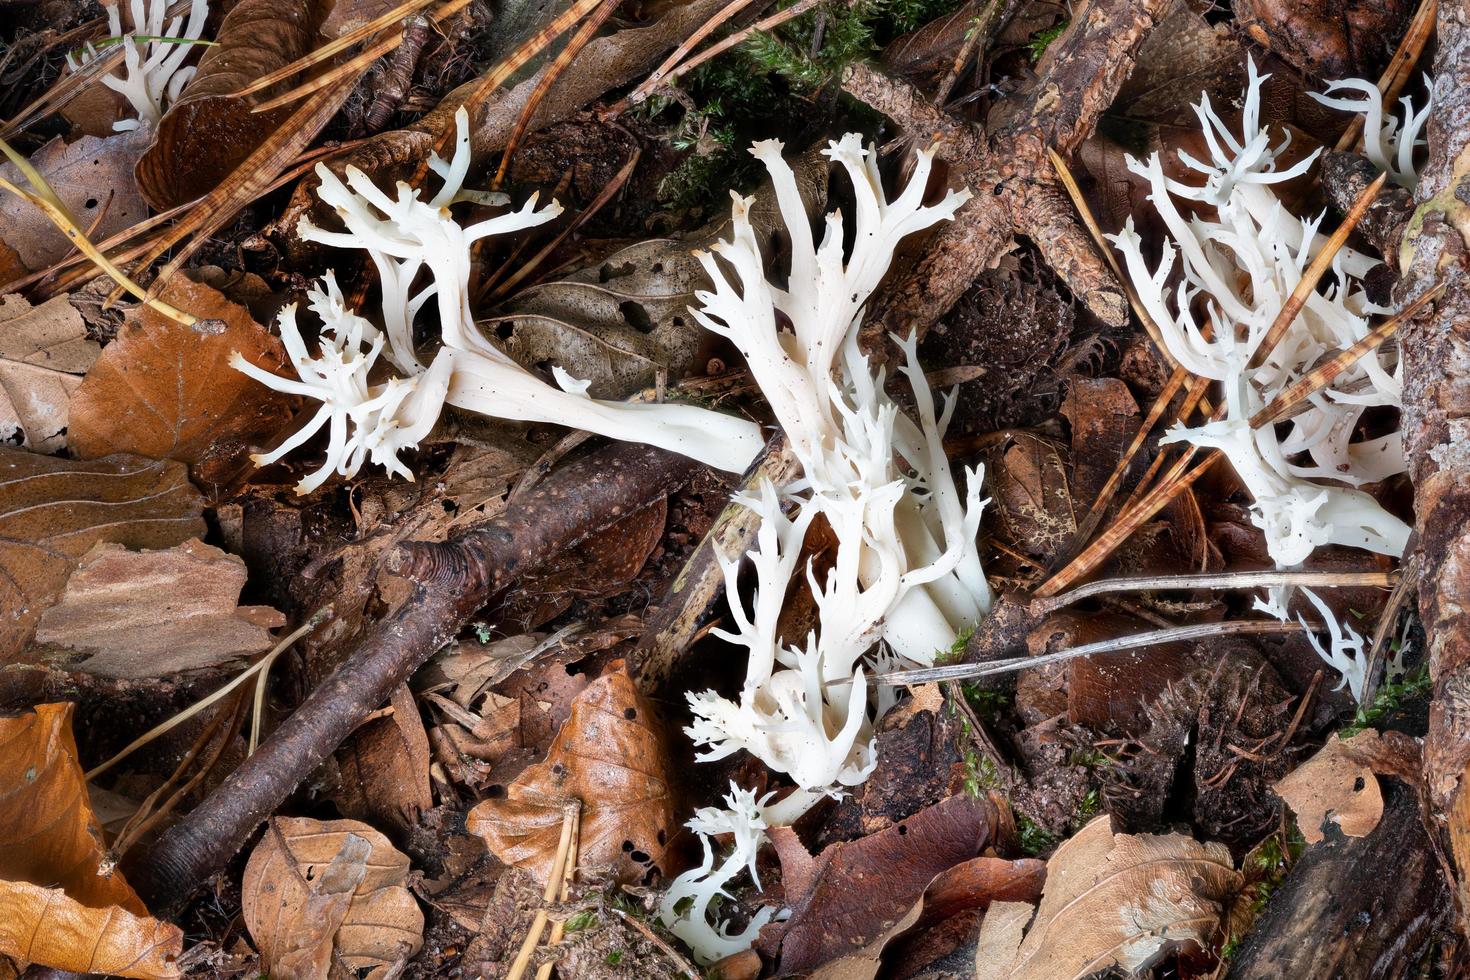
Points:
(906, 569)
(1235, 273)
(405, 235)
(153, 57)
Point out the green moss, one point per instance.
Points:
(1389, 699)
(1042, 39)
(1034, 839)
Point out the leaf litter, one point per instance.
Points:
(530, 800)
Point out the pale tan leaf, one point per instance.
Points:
(53, 510)
(1117, 900)
(55, 908)
(291, 897)
(1000, 938)
(152, 613)
(166, 390)
(1338, 785)
(610, 757)
(44, 351)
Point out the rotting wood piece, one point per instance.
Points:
(1334, 918)
(1436, 355)
(1015, 189)
(451, 582)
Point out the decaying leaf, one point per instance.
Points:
(1033, 509)
(94, 179)
(206, 133)
(860, 889)
(153, 613)
(385, 767)
(1116, 900)
(44, 351)
(610, 757)
(52, 511)
(166, 391)
(1340, 783)
(56, 910)
(616, 324)
(971, 887)
(316, 892)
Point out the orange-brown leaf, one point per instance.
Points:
(166, 390)
(55, 909)
(611, 758)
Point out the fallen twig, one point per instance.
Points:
(451, 582)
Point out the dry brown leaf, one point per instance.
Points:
(315, 891)
(206, 134)
(385, 767)
(94, 179)
(152, 613)
(44, 351)
(1033, 508)
(1000, 938)
(1340, 783)
(609, 756)
(1116, 900)
(53, 510)
(861, 888)
(55, 909)
(166, 390)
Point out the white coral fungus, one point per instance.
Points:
(153, 56)
(403, 236)
(906, 568)
(1234, 274)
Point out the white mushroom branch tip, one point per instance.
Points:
(407, 236)
(153, 56)
(1217, 291)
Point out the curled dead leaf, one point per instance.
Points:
(207, 133)
(317, 892)
(53, 510)
(610, 757)
(152, 613)
(1340, 783)
(1113, 900)
(166, 390)
(56, 908)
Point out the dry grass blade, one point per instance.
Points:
(569, 873)
(598, 203)
(355, 67)
(1064, 174)
(1105, 495)
(548, 78)
(326, 51)
(56, 98)
(249, 180)
(571, 817)
(1224, 580)
(45, 198)
(262, 664)
(1396, 75)
(1128, 522)
(1193, 396)
(775, 20)
(517, 59)
(1325, 373)
(1408, 579)
(1176, 634)
(1319, 266)
(682, 51)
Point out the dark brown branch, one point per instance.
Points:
(1344, 177)
(1008, 172)
(451, 581)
